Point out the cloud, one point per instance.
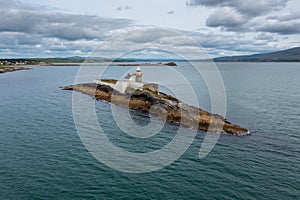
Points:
(52, 24)
(247, 7)
(237, 13)
(7, 38)
(161, 39)
(120, 8)
(137, 43)
(286, 24)
(248, 16)
(227, 17)
(7, 4)
(283, 28)
(41, 32)
(265, 37)
(28, 31)
(229, 43)
(64, 26)
(148, 35)
(286, 17)
(190, 42)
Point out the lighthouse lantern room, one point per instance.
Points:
(138, 75)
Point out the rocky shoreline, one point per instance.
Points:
(166, 107)
(4, 69)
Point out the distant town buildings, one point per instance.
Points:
(16, 62)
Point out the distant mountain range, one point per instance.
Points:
(289, 55)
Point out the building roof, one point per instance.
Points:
(128, 76)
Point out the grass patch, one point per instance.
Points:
(156, 94)
(3, 66)
(57, 60)
(111, 81)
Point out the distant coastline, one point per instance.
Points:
(288, 55)
(20, 62)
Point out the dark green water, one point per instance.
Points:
(42, 157)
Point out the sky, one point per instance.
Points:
(56, 28)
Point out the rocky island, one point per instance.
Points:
(135, 94)
(148, 64)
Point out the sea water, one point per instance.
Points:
(42, 156)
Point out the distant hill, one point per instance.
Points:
(289, 55)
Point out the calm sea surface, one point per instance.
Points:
(42, 157)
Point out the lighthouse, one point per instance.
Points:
(138, 75)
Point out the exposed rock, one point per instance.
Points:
(4, 69)
(148, 64)
(162, 106)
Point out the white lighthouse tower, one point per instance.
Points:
(138, 75)
(132, 81)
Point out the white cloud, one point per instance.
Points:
(227, 17)
(224, 27)
(248, 7)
